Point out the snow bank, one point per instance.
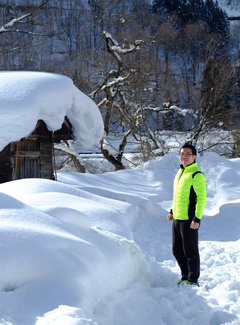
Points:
(96, 249)
(52, 255)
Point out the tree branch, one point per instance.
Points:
(8, 26)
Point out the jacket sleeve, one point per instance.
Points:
(199, 185)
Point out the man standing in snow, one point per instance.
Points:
(189, 199)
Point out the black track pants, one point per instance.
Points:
(185, 249)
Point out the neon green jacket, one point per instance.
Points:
(189, 193)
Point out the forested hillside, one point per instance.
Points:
(150, 65)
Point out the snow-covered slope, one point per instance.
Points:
(232, 7)
(96, 249)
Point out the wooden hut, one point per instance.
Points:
(33, 156)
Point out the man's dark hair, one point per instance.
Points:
(190, 146)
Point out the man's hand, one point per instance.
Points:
(170, 217)
(194, 225)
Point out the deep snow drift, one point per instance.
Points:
(96, 249)
(29, 96)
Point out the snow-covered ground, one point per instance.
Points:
(96, 249)
(232, 7)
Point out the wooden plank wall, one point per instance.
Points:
(32, 157)
(46, 160)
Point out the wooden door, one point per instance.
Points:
(26, 159)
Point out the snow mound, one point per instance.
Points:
(26, 97)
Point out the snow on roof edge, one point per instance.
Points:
(29, 96)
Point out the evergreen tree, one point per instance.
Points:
(216, 18)
(159, 6)
(195, 11)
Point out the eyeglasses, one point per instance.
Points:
(185, 154)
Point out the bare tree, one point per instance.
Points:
(19, 35)
(12, 26)
(114, 100)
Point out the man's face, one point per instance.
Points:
(186, 156)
